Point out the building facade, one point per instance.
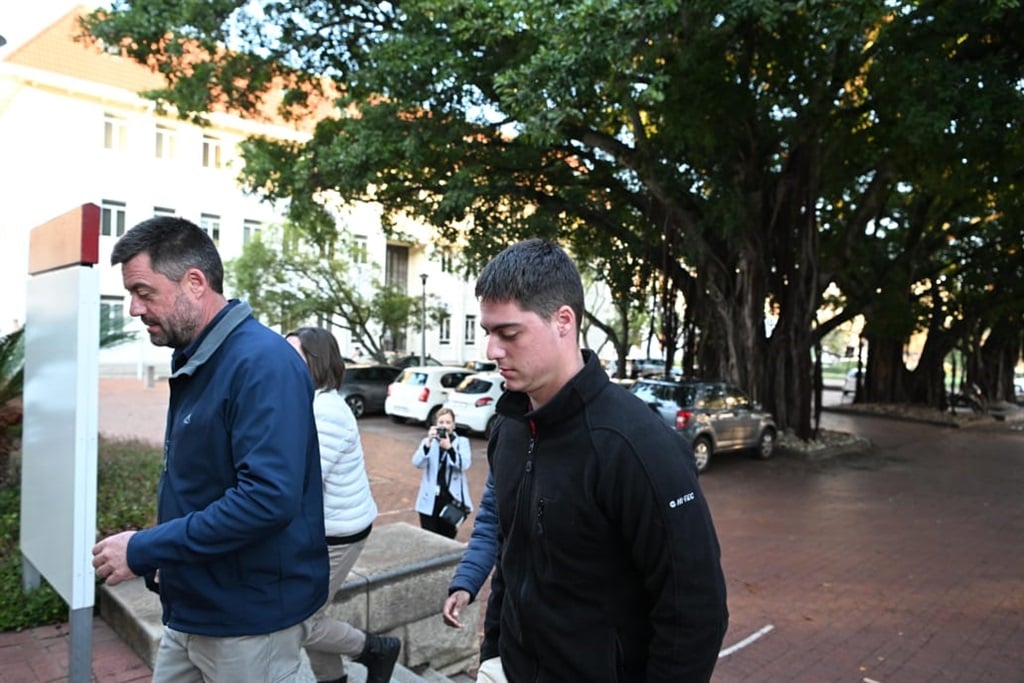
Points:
(74, 130)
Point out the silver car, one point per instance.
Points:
(714, 416)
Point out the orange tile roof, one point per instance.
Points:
(58, 49)
(55, 50)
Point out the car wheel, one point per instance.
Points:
(357, 404)
(702, 452)
(765, 445)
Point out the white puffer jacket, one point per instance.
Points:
(349, 506)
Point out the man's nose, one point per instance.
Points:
(135, 308)
(494, 349)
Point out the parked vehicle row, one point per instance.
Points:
(365, 388)
(420, 391)
(714, 416)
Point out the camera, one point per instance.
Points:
(442, 432)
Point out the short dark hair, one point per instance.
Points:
(323, 356)
(174, 245)
(535, 274)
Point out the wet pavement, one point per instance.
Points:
(904, 563)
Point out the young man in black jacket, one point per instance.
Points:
(609, 568)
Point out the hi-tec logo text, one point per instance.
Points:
(681, 499)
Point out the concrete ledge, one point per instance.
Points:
(398, 586)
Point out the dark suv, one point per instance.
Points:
(365, 387)
(712, 415)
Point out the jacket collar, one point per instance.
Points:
(569, 400)
(211, 338)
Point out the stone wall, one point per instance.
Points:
(398, 587)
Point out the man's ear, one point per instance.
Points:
(565, 318)
(195, 281)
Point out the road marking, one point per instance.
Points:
(746, 641)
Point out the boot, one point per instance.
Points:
(379, 656)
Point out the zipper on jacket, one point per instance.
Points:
(540, 516)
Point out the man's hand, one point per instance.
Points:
(453, 607)
(110, 558)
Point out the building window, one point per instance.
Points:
(470, 330)
(112, 320)
(165, 142)
(211, 226)
(164, 211)
(112, 218)
(115, 133)
(396, 268)
(360, 250)
(444, 332)
(213, 152)
(446, 260)
(250, 229)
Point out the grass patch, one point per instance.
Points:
(127, 476)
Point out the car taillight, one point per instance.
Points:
(683, 418)
(481, 402)
(424, 395)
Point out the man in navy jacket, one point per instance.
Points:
(238, 553)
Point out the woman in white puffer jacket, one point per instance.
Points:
(349, 511)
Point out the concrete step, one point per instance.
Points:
(134, 614)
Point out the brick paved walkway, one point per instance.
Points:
(902, 565)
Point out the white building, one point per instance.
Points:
(73, 130)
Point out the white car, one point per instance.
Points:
(474, 400)
(420, 391)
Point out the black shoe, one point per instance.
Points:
(379, 656)
(343, 679)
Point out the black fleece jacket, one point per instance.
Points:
(610, 568)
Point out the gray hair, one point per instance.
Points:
(174, 245)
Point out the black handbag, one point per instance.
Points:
(454, 513)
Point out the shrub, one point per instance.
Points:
(127, 476)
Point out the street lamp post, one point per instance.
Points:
(423, 322)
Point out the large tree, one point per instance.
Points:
(706, 139)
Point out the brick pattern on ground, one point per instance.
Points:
(898, 564)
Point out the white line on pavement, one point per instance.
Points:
(746, 641)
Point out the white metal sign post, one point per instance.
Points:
(59, 435)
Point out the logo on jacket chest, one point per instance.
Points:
(681, 500)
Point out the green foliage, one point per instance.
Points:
(128, 472)
(113, 331)
(12, 360)
(126, 485)
(740, 152)
(289, 280)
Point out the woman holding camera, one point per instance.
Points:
(444, 456)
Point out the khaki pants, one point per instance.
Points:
(490, 671)
(266, 658)
(324, 638)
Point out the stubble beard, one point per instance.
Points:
(180, 327)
